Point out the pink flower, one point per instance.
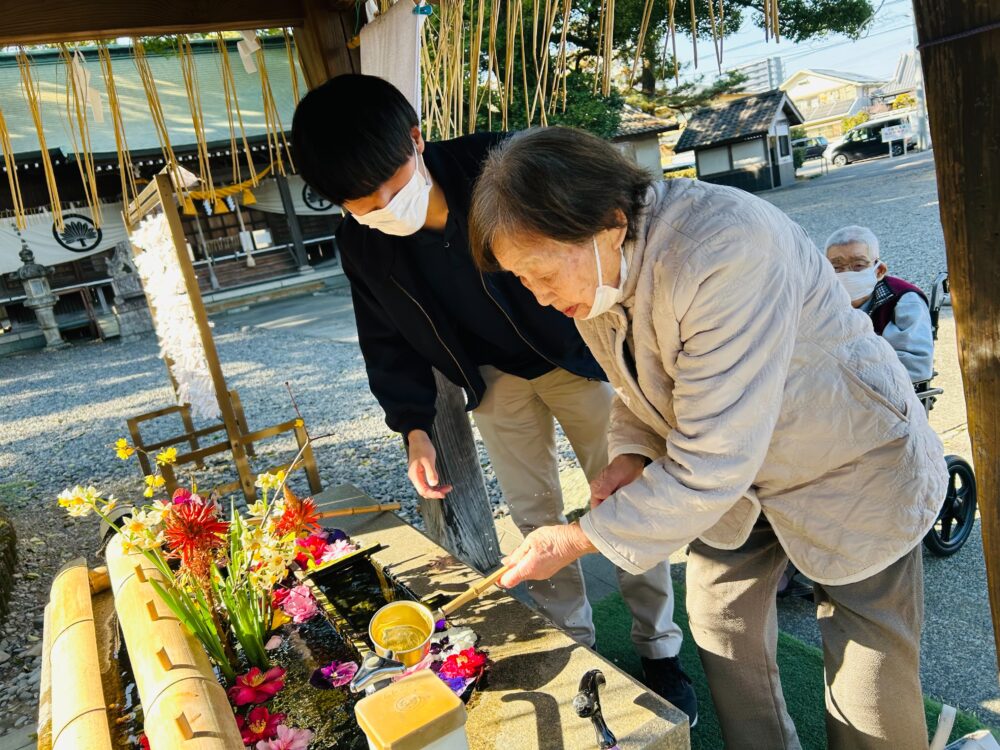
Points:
(467, 664)
(287, 739)
(299, 604)
(339, 548)
(256, 686)
(334, 674)
(182, 495)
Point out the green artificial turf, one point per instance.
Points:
(801, 667)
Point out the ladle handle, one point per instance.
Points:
(474, 592)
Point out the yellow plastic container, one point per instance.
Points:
(419, 712)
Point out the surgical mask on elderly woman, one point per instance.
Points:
(406, 213)
(606, 297)
(859, 284)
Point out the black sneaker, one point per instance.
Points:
(666, 678)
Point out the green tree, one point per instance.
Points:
(849, 122)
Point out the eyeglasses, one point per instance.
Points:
(858, 265)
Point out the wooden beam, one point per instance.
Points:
(960, 56)
(462, 523)
(322, 38)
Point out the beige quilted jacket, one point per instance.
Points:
(755, 387)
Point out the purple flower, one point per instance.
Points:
(457, 684)
(335, 674)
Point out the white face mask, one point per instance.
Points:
(606, 297)
(406, 213)
(859, 284)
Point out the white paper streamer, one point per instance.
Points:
(176, 328)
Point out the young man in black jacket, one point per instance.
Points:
(421, 303)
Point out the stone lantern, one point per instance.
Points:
(39, 297)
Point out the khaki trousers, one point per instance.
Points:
(515, 420)
(871, 648)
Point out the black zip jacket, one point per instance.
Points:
(402, 328)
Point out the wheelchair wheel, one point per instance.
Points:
(958, 514)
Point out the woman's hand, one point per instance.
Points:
(624, 469)
(544, 552)
(422, 466)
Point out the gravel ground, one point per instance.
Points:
(898, 200)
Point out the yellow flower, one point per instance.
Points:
(279, 618)
(111, 504)
(166, 456)
(153, 481)
(270, 481)
(123, 449)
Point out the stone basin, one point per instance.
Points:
(536, 671)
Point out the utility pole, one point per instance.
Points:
(921, 130)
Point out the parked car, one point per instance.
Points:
(814, 145)
(865, 141)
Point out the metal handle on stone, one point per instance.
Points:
(474, 592)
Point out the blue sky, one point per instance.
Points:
(874, 54)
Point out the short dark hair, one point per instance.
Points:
(559, 183)
(351, 134)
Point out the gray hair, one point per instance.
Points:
(854, 233)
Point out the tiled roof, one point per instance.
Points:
(51, 74)
(840, 108)
(905, 78)
(736, 120)
(636, 122)
(855, 77)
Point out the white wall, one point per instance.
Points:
(749, 153)
(713, 160)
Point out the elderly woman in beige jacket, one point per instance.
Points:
(758, 418)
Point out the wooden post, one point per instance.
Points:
(298, 246)
(462, 523)
(322, 39)
(960, 56)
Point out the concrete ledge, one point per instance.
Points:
(272, 289)
(536, 667)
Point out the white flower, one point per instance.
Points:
(459, 639)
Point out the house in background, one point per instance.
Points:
(901, 90)
(638, 137)
(745, 143)
(762, 75)
(826, 97)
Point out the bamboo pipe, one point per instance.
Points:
(99, 580)
(474, 592)
(44, 731)
(184, 706)
(341, 512)
(79, 712)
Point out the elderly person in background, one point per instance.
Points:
(757, 419)
(898, 309)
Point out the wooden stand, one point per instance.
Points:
(159, 194)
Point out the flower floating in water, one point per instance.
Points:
(299, 604)
(467, 664)
(166, 456)
(256, 686)
(287, 739)
(333, 675)
(310, 549)
(124, 451)
(457, 684)
(273, 642)
(336, 550)
(259, 724)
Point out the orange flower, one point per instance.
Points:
(298, 516)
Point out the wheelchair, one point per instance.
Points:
(957, 518)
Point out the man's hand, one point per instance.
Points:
(422, 466)
(624, 469)
(544, 552)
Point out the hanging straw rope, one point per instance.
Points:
(156, 112)
(276, 141)
(189, 72)
(647, 12)
(476, 48)
(125, 169)
(79, 132)
(33, 98)
(233, 106)
(291, 64)
(12, 177)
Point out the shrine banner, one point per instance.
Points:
(78, 239)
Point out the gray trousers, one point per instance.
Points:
(871, 648)
(515, 420)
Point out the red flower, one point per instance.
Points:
(143, 742)
(311, 547)
(181, 495)
(468, 663)
(259, 724)
(194, 534)
(298, 517)
(256, 686)
(278, 596)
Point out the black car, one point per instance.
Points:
(814, 145)
(865, 141)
